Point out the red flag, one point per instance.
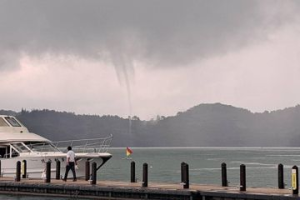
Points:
(128, 151)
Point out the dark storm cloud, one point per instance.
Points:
(162, 33)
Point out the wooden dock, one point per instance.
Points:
(127, 190)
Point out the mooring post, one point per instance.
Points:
(57, 169)
(242, 177)
(48, 172)
(94, 173)
(224, 175)
(145, 175)
(24, 169)
(280, 177)
(132, 170)
(18, 171)
(87, 170)
(295, 181)
(182, 172)
(186, 177)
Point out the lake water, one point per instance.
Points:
(204, 163)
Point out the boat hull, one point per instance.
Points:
(36, 165)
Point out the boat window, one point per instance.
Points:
(13, 122)
(20, 147)
(41, 147)
(4, 151)
(7, 152)
(14, 153)
(2, 122)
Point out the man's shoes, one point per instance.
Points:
(74, 180)
(65, 180)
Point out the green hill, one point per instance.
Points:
(202, 125)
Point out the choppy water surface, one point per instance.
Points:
(204, 163)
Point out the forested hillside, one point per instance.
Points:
(202, 125)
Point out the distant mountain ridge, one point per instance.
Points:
(202, 125)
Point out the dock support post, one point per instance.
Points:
(145, 175)
(94, 173)
(280, 176)
(295, 181)
(24, 169)
(186, 178)
(18, 171)
(48, 172)
(132, 170)
(224, 175)
(182, 172)
(87, 170)
(242, 177)
(57, 169)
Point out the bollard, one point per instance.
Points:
(145, 175)
(280, 177)
(186, 176)
(182, 172)
(87, 170)
(57, 169)
(48, 172)
(24, 169)
(242, 177)
(94, 173)
(132, 170)
(295, 181)
(18, 171)
(224, 175)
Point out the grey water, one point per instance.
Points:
(205, 165)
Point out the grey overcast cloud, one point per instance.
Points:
(148, 58)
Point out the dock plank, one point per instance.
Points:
(128, 190)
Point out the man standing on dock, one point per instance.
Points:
(70, 164)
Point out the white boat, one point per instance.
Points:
(18, 144)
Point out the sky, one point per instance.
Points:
(148, 58)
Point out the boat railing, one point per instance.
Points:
(42, 147)
(94, 145)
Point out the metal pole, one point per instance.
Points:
(224, 175)
(87, 170)
(295, 181)
(280, 177)
(145, 175)
(0, 169)
(18, 171)
(57, 169)
(48, 172)
(242, 177)
(132, 170)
